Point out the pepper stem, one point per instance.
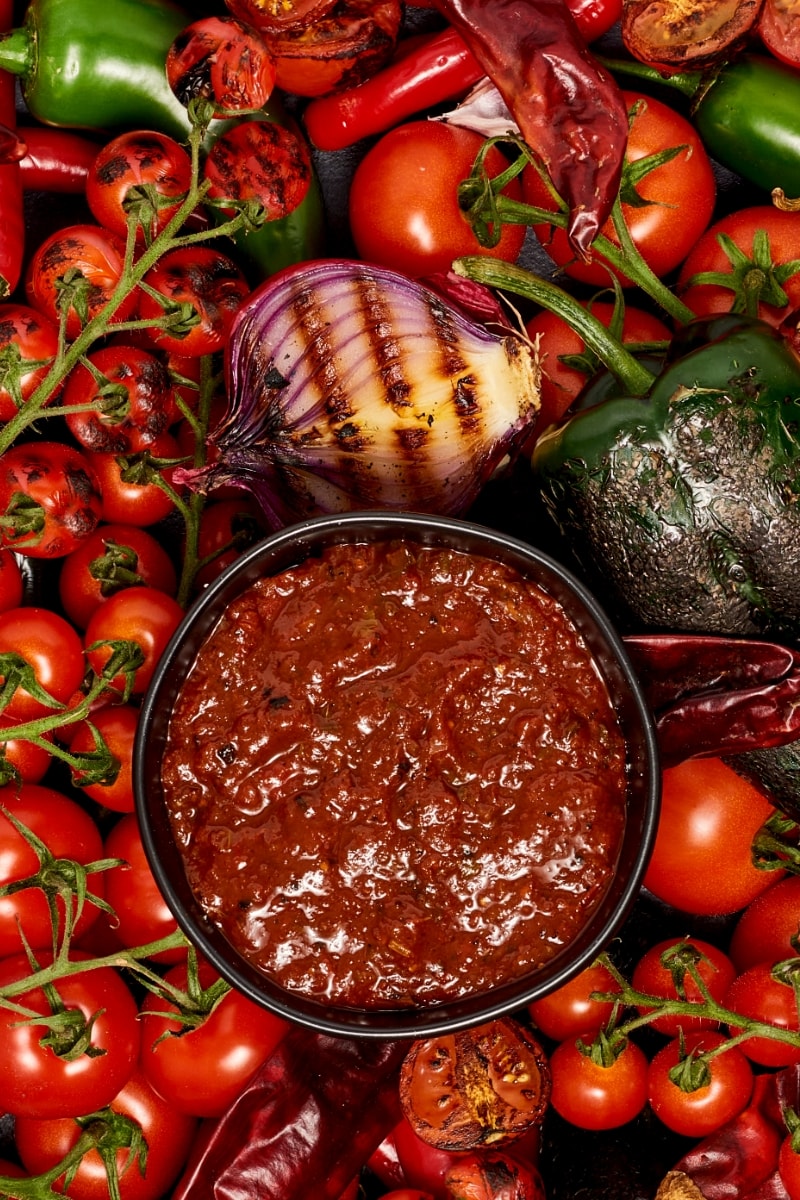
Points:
(17, 51)
(493, 272)
(689, 83)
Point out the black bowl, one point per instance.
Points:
(286, 549)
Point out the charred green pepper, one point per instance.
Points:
(97, 65)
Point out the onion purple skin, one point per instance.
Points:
(353, 387)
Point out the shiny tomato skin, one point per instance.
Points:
(127, 165)
(569, 1010)
(423, 1166)
(36, 340)
(754, 993)
(29, 760)
(68, 831)
(55, 484)
(210, 283)
(701, 861)
(779, 29)
(403, 205)
(169, 1135)
(132, 503)
(81, 592)
(97, 254)
(782, 230)
(35, 1082)
(592, 1096)
(201, 1072)
(682, 195)
(702, 1111)
(142, 914)
(138, 614)
(227, 528)
(51, 647)
(150, 397)
(651, 976)
(765, 929)
(788, 1157)
(117, 725)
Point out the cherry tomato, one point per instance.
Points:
(138, 614)
(116, 724)
(50, 498)
(756, 994)
(35, 1081)
(85, 259)
(423, 1166)
(53, 650)
(115, 374)
(592, 1096)
(652, 976)
(69, 833)
(224, 61)
(142, 176)
(403, 201)
(28, 344)
(168, 1135)
(789, 1168)
(12, 583)
(779, 29)
(26, 760)
(765, 929)
(263, 162)
(701, 861)
(680, 195)
(569, 1010)
(142, 914)
(112, 558)
(127, 501)
(227, 527)
(755, 267)
(206, 281)
(707, 1108)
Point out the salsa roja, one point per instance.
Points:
(395, 776)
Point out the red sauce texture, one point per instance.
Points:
(396, 776)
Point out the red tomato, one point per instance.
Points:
(110, 375)
(35, 1081)
(681, 194)
(142, 915)
(50, 498)
(29, 760)
(563, 380)
(758, 244)
(260, 162)
(205, 280)
(701, 862)
(650, 975)
(12, 584)
(51, 648)
(141, 176)
(168, 1135)
(403, 201)
(707, 1108)
(116, 724)
(756, 994)
(138, 614)
(35, 340)
(112, 558)
(126, 501)
(202, 1071)
(93, 258)
(569, 1010)
(789, 1168)
(779, 29)
(593, 1096)
(68, 832)
(766, 928)
(422, 1165)
(224, 61)
(227, 527)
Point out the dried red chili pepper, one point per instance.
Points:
(567, 107)
(717, 695)
(304, 1126)
(479, 1087)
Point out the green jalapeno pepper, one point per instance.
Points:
(684, 502)
(97, 65)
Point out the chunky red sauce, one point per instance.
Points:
(396, 776)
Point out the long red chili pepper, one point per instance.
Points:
(717, 695)
(12, 226)
(55, 160)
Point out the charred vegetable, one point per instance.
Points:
(678, 34)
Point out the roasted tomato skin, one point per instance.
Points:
(676, 35)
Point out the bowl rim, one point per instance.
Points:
(291, 545)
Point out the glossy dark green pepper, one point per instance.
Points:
(684, 503)
(97, 64)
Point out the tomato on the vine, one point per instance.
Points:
(141, 175)
(28, 345)
(50, 498)
(201, 1070)
(679, 194)
(24, 759)
(757, 994)
(591, 1095)
(119, 375)
(35, 1081)
(75, 271)
(129, 498)
(51, 648)
(403, 202)
(226, 529)
(202, 286)
(141, 912)
(765, 929)
(569, 1010)
(698, 1112)
(652, 976)
(117, 725)
(702, 858)
(42, 1144)
(112, 558)
(138, 614)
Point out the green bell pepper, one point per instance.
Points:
(97, 64)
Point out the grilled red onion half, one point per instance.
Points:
(354, 387)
